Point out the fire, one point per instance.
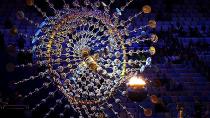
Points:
(136, 82)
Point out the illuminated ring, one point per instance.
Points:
(55, 29)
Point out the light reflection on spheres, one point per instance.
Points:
(87, 54)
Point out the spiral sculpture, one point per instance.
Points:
(89, 53)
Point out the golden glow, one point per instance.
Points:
(146, 9)
(136, 82)
(152, 50)
(91, 63)
(152, 23)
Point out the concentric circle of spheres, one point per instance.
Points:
(87, 52)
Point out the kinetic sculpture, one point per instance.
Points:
(92, 56)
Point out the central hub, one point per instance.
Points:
(90, 60)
